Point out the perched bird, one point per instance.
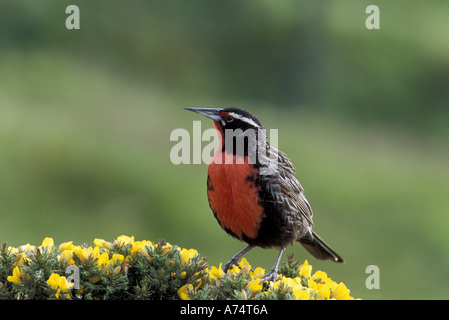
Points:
(253, 192)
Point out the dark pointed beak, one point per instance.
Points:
(211, 113)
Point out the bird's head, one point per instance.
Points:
(230, 118)
(240, 131)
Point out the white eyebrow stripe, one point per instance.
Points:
(244, 119)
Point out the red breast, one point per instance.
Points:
(234, 197)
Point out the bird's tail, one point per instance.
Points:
(318, 248)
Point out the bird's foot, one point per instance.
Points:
(230, 264)
(235, 259)
(272, 276)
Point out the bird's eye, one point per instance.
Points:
(229, 119)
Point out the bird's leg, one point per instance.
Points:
(273, 275)
(235, 259)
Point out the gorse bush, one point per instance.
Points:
(129, 269)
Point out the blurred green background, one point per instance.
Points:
(86, 116)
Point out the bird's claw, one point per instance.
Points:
(229, 265)
(272, 276)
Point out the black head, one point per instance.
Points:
(230, 118)
(241, 132)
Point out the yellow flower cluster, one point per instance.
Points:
(303, 287)
(101, 251)
(18, 276)
(154, 266)
(59, 284)
(100, 254)
(254, 284)
(317, 286)
(21, 252)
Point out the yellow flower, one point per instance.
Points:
(118, 257)
(341, 292)
(312, 285)
(182, 292)
(216, 273)
(66, 246)
(103, 261)
(124, 240)
(244, 264)
(323, 293)
(287, 282)
(301, 293)
(48, 242)
(186, 255)
(322, 285)
(12, 249)
(305, 270)
(18, 276)
(82, 253)
(21, 258)
(27, 247)
(66, 257)
(257, 273)
(234, 270)
(254, 285)
(95, 253)
(64, 284)
(53, 281)
(59, 283)
(276, 285)
(167, 247)
(320, 277)
(140, 247)
(332, 285)
(103, 244)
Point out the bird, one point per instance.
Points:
(253, 192)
